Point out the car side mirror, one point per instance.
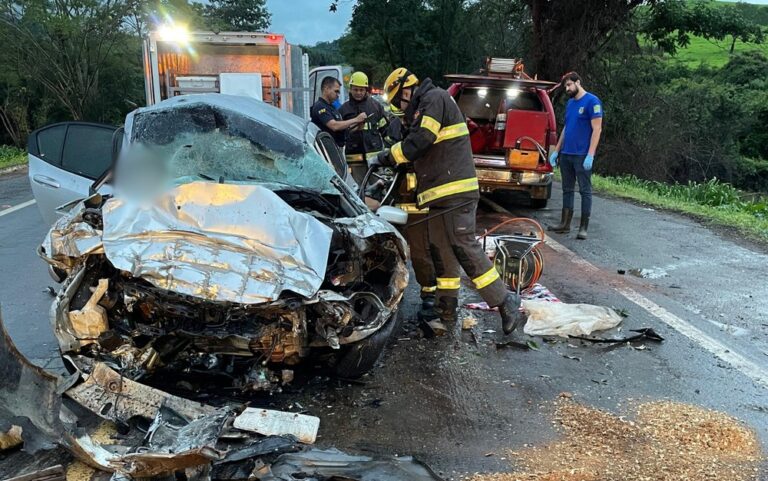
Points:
(393, 215)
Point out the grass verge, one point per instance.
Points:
(713, 201)
(11, 157)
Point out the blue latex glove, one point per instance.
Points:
(588, 162)
(553, 158)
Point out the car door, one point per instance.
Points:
(64, 160)
(316, 76)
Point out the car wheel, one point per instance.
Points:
(539, 203)
(360, 357)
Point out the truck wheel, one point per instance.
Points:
(539, 203)
(360, 357)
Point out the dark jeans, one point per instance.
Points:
(572, 169)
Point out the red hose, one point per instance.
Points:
(533, 261)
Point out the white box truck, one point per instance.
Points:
(260, 65)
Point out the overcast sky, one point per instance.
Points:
(307, 22)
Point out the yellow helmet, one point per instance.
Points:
(399, 79)
(358, 79)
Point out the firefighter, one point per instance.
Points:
(415, 231)
(438, 146)
(365, 140)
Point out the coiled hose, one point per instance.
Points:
(532, 263)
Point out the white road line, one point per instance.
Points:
(749, 368)
(17, 207)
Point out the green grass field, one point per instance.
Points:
(712, 53)
(11, 156)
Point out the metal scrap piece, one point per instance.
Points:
(116, 398)
(331, 463)
(54, 473)
(175, 444)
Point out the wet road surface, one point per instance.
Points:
(460, 404)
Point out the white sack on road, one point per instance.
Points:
(561, 319)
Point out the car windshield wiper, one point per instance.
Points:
(205, 176)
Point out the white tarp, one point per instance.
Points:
(560, 319)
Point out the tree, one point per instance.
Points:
(64, 45)
(238, 15)
(324, 53)
(566, 34)
(671, 24)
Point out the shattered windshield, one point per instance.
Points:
(201, 141)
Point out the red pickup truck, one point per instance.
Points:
(512, 128)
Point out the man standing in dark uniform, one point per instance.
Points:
(364, 141)
(325, 116)
(438, 146)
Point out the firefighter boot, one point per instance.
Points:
(583, 226)
(431, 319)
(447, 309)
(565, 222)
(427, 302)
(511, 315)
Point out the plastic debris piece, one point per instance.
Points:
(277, 423)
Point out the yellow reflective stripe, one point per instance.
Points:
(382, 122)
(397, 153)
(451, 188)
(431, 124)
(486, 279)
(410, 181)
(412, 209)
(359, 157)
(429, 289)
(448, 283)
(452, 131)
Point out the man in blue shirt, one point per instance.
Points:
(325, 115)
(576, 151)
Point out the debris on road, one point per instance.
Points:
(334, 464)
(665, 440)
(537, 291)
(203, 442)
(11, 438)
(644, 333)
(468, 322)
(279, 423)
(649, 273)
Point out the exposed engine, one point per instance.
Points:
(149, 332)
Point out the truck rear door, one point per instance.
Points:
(316, 76)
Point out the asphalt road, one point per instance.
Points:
(453, 401)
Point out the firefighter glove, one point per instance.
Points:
(553, 158)
(588, 161)
(382, 159)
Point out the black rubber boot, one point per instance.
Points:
(447, 308)
(583, 226)
(427, 302)
(565, 222)
(511, 315)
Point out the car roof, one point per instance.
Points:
(252, 108)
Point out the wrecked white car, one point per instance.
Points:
(227, 251)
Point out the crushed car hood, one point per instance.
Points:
(222, 242)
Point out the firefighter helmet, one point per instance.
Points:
(399, 79)
(358, 79)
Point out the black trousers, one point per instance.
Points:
(453, 246)
(417, 236)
